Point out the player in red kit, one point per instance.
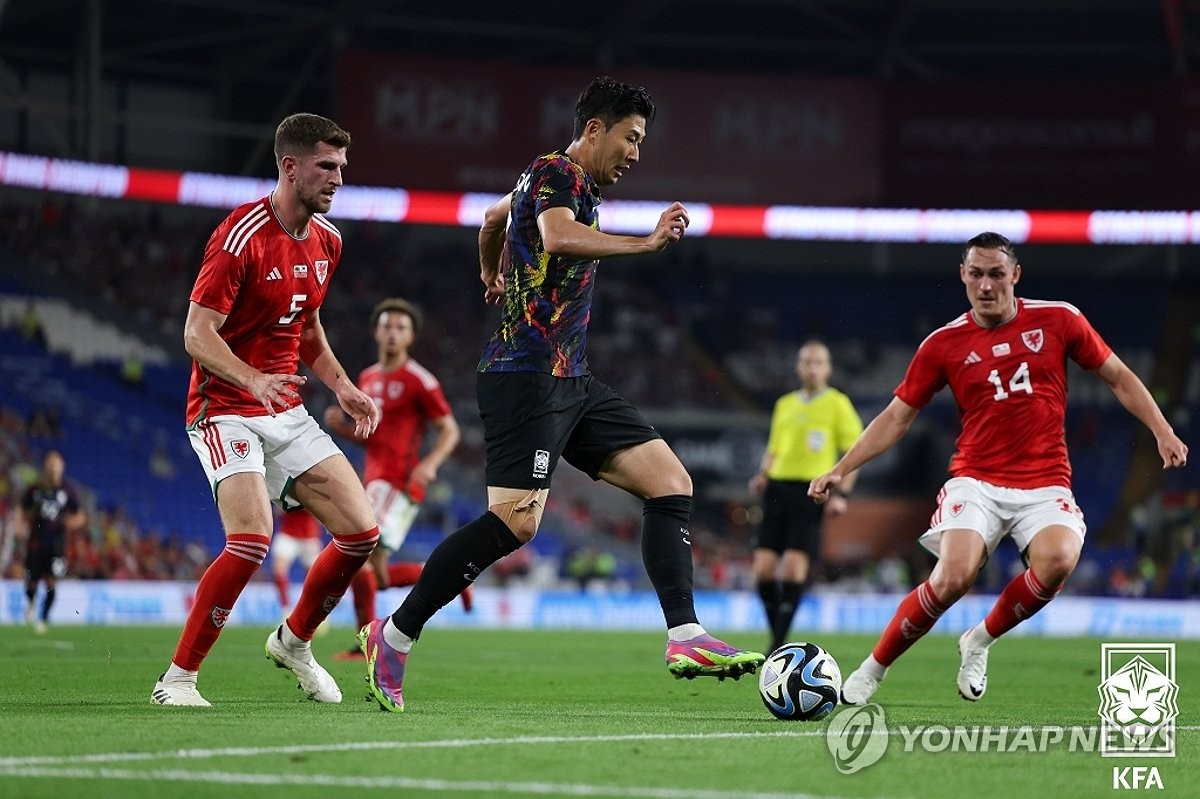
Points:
(396, 475)
(254, 316)
(1005, 362)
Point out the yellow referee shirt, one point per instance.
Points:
(808, 435)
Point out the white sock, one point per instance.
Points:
(873, 667)
(396, 639)
(176, 674)
(684, 631)
(290, 640)
(980, 637)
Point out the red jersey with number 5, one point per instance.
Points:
(1010, 385)
(267, 283)
(409, 398)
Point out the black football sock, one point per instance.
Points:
(47, 603)
(768, 592)
(667, 555)
(789, 600)
(452, 566)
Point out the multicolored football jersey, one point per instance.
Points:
(1010, 384)
(547, 299)
(266, 283)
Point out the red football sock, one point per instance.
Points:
(219, 588)
(916, 616)
(282, 585)
(1020, 599)
(402, 574)
(363, 589)
(328, 580)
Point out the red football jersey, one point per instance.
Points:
(1010, 385)
(409, 397)
(299, 523)
(266, 282)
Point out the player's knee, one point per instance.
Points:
(522, 516)
(951, 584)
(522, 523)
(676, 482)
(1053, 568)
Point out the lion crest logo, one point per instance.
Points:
(1139, 700)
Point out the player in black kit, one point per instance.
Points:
(51, 512)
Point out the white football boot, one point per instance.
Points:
(182, 693)
(972, 673)
(861, 685)
(313, 679)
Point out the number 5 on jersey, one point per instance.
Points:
(297, 307)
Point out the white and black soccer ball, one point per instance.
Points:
(800, 682)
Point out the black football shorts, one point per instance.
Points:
(530, 419)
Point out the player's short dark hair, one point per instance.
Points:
(610, 101)
(299, 134)
(990, 241)
(397, 305)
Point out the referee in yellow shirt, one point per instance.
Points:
(810, 429)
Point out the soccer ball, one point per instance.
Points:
(800, 682)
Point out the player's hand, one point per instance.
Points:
(334, 416)
(272, 390)
(1173, 451)
(424, 473)
(361, 408)
(493, 290)
(672, 224)
(757, 484)
(819, 489)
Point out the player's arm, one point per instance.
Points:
(203, 342)
(491, 249)
(881, 435)
(1133, 394)
(758, 483)
(317, 354)
(447, 438)
(565, 237)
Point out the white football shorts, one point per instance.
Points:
(286, 550)
(394, 511)
(993, 512)
(280, 448)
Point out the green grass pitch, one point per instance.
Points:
(532, 713)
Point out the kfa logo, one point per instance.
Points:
(1138, 700)
(541, 463)
(1137, 777)
(240, 447)
(1138, 707)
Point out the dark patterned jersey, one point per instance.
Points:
(547, 299)
(47, 508)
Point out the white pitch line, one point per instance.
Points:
(487, 788)
(354, 746)
(451, 743)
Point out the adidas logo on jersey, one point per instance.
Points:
(972, 358)
(274, 274)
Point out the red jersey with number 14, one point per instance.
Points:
(409, 398)
(1010, 384)
(266, 282)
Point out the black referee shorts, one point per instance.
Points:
(531, 419)
(791, 520)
